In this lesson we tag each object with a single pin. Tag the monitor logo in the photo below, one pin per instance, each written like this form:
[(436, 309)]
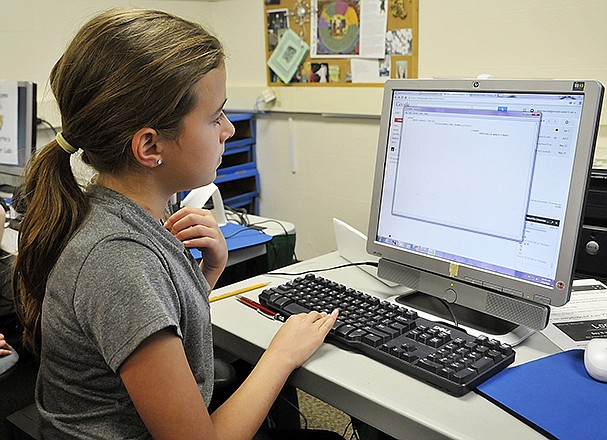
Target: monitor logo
[(578, 86)]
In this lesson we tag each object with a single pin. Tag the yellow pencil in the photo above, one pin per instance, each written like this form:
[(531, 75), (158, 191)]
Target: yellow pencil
[(237, 292)]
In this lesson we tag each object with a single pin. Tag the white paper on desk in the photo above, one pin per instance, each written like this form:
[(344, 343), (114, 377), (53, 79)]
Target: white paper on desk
[(584, 317)]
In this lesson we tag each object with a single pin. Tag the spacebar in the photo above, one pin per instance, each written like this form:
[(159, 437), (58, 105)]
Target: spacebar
[(294, 309)]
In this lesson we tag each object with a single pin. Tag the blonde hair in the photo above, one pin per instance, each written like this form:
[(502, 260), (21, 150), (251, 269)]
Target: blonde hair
[(124, 70)]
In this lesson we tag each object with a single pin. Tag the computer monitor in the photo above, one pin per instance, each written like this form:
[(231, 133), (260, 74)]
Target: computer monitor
[(20, 117), (479, 192)]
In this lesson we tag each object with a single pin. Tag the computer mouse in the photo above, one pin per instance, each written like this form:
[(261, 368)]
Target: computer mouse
[(595, 359)]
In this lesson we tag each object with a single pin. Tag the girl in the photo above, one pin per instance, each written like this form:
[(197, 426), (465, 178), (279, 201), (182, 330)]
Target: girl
[(107, 291)]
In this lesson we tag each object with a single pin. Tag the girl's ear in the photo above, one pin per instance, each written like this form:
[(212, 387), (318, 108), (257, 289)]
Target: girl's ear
[(145, 148)]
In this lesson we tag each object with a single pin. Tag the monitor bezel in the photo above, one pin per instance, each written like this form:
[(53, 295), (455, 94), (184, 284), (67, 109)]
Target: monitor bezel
[(442, 271), (11, 175)]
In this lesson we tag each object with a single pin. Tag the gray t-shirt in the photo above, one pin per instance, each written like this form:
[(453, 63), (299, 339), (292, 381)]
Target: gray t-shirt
[(122, 278)]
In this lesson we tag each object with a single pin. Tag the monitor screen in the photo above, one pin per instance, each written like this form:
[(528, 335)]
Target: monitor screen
[(479, 189), (19, 110)]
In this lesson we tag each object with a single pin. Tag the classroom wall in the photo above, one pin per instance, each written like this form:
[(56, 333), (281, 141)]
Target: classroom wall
[(315, 167), (34, 33), (315, 153)]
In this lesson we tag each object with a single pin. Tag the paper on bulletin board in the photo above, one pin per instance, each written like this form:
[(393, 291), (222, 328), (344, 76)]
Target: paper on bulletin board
[(345, 29), (9, 123), (368, 71)]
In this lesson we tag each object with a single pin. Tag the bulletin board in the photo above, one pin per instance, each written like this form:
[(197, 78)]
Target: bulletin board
[(401, 47)]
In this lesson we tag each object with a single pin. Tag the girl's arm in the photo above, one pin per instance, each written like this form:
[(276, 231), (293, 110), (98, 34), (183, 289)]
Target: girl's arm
[(158, 378)]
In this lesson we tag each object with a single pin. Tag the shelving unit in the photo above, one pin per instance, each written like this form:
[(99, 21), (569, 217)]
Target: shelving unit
[(237, 177)]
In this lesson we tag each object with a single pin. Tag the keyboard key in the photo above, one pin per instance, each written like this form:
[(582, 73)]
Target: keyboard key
[(356, 335), (338, 323), (458, 342), (396, 351), (408, 356), (494, 355), (482, 365), (344, 330), (294, 309), (435, 342), (446, 372), (380, 334), (391, 332), (464, 375), (429, 365), (372, 340), (505, 349), (408, 347)]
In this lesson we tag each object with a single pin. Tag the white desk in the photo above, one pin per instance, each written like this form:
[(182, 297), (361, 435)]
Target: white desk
[(379, 395)]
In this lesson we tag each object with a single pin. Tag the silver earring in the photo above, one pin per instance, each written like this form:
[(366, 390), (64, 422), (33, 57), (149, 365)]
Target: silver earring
[(159, 162)]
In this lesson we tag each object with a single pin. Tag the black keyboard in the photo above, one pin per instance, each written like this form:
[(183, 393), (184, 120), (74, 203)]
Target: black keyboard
[(432, 351)]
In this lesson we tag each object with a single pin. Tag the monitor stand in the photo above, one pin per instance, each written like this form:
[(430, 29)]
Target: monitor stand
[(473, 321)]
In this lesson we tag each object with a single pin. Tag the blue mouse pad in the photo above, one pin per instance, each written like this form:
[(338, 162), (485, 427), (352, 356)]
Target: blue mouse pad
[(554, 395)]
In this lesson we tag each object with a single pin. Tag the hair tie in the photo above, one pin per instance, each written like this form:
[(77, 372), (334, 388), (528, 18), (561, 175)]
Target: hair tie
[(65, 145)]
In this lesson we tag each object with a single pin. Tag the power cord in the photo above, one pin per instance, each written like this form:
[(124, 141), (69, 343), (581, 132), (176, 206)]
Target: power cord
[(363, 263), (301, 414), (240, 213), (40, 121), (354, 434), (450, 310), (290, 243), (240, 216)]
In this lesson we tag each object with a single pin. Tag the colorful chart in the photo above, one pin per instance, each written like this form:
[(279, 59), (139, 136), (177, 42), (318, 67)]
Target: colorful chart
[(338, 27)]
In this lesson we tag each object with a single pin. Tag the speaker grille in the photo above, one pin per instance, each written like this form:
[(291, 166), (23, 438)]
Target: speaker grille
[(398, 274), (522, 312)]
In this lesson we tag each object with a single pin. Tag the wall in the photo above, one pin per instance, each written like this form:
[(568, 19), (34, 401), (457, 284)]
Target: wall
[(334, 157), (34, 33)]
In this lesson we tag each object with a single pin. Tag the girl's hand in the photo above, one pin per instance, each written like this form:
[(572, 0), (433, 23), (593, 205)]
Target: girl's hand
[(197, 228), (300, 336), (5, 349)]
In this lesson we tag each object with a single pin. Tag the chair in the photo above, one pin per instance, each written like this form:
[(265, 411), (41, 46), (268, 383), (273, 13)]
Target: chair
[(17, 381)]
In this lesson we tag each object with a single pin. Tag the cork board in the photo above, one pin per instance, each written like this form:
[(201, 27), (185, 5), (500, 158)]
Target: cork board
[(335, 64)]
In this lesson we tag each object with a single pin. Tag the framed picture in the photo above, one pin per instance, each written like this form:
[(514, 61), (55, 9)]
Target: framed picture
[(288, 55)]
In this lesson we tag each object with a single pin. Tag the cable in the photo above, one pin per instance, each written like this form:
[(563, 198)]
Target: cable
[(236, 233), (354, 434), (346, 429), (287, 235), (243, 219), (256, 105), (450, 310), (305, 420), (40, 121), (240, 213), (363, 263)]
